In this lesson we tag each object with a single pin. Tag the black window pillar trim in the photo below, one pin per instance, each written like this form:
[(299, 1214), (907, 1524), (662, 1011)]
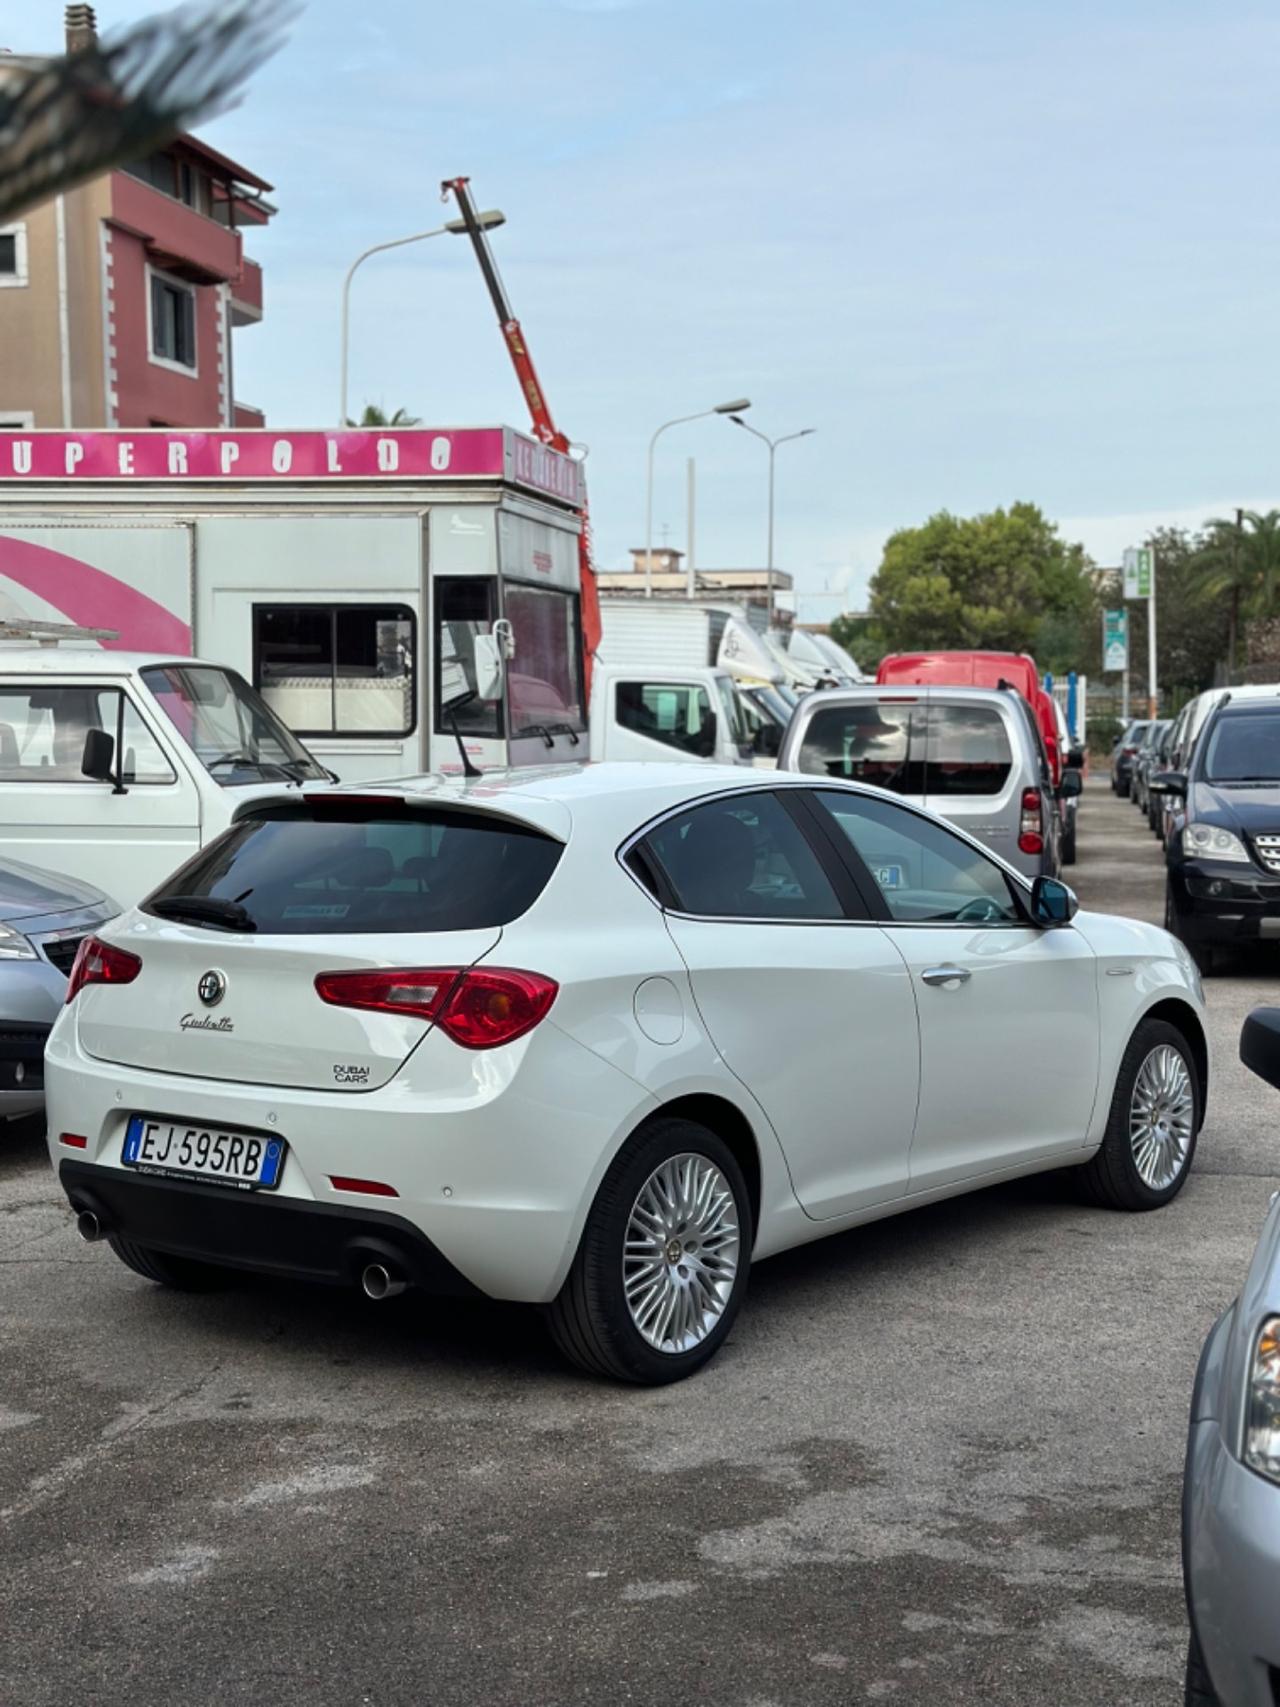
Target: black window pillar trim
[(858, 892)]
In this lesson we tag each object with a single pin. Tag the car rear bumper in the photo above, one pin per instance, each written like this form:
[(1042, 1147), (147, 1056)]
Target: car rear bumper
[(1231, 1544), (1225, 905), (327, 1242), (493, 1159)]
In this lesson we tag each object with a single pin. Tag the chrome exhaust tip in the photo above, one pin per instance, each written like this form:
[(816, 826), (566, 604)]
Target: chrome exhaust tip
[(378, 1282), (89, 1227)]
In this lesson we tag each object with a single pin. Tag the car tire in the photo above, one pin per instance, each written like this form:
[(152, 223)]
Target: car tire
[(1153, 1125), (1069, 839), (1204, 954), (179, 1274), (1199, 1691), (592, 1320)]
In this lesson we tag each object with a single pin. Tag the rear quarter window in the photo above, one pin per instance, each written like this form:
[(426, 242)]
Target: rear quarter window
[(298, 874)]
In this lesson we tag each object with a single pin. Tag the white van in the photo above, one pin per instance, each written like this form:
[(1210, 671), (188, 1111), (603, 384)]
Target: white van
[(115, 767)]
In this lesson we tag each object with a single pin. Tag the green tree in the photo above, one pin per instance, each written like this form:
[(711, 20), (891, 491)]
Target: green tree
[(376, 416), (1005, 580), (1239, 562)]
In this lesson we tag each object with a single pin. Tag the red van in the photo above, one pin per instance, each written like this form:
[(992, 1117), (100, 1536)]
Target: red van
[(982, 670)]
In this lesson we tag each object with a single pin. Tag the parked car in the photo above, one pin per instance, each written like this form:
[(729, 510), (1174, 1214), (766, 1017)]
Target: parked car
[(1231, 1488), (1161, 760), (1223, 854), (43, 920), (1187, 727), (970, 754), (596, 1037), (1142, 760), (1123, 754), (1069, 793)]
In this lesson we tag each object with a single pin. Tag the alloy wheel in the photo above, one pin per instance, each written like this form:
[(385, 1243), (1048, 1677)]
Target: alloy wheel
[(1161, 1117), (680, 1258)]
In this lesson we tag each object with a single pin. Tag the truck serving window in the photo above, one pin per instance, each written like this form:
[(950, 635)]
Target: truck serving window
[(230, 728), (544, 679), (337, 669), (465, 606), (42, 731), (291, 873)]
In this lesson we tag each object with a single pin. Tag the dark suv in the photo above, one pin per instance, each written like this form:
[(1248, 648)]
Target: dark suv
[(1223, 849), (1123, 754)]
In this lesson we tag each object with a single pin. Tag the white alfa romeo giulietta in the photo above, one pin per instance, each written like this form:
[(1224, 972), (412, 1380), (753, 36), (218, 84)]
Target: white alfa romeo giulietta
[(596, 1039)]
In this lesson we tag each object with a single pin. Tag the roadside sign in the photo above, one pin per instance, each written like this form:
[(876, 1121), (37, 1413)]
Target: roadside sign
[(1138, 572), (1115, 640)]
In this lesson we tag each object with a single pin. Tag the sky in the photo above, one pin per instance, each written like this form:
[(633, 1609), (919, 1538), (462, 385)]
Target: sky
[(988, 251)]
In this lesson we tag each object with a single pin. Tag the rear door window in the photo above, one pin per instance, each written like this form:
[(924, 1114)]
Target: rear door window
[(741, 858), (876, 741), (342, 870)]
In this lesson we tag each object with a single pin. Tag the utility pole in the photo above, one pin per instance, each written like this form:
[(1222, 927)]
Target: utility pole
[(691, 586), (1153, 691)]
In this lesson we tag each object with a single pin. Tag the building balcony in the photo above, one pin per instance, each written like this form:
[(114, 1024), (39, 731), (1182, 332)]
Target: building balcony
[(178, 239), (246, 294)]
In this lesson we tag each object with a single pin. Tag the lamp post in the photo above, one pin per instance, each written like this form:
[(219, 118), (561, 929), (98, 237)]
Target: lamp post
[(487, 221), (734, 408), (773, 451)]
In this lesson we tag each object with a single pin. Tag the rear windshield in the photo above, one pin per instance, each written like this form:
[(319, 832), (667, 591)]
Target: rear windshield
[(911, 748), (293, 874)]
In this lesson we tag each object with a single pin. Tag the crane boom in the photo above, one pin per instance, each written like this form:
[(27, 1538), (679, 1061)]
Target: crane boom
[(544, 427)]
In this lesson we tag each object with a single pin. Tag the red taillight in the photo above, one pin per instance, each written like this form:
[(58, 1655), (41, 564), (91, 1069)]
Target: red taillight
[(479, 1008), (74, 1141), (370, 1187), (100, 963), (1031, 824)]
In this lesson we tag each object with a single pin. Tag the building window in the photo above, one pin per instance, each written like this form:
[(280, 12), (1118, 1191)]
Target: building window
[(13, 254), (172, 307), (336, 669)]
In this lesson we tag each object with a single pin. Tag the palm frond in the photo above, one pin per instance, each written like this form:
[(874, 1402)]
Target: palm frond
[(64, 121)]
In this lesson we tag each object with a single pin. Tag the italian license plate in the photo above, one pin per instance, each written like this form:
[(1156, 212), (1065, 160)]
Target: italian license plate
[(248, 1160), (888, 876)]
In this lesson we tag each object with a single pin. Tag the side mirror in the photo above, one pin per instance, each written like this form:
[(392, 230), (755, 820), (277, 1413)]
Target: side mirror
[(1075, 758), (98, 760), (1168, 782), (489, 666), (1052, 903), (704, 742), (1260, 1044), (1071, 785), (768, 741)]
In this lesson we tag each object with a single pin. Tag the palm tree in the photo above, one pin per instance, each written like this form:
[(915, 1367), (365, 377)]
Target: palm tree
[(376, 416), (1241, 558)]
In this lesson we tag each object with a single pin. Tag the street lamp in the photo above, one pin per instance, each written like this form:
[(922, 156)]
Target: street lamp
[(773, 448), (487, 222), (731, 409)]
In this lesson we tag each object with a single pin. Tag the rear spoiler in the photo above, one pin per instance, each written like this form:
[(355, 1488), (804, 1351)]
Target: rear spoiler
[(542, 817)]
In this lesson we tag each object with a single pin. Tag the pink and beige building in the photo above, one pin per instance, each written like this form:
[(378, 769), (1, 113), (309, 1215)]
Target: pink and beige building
[(119, 301)]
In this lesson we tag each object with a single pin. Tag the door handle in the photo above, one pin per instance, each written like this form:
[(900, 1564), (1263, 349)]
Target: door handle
[(941, 976)]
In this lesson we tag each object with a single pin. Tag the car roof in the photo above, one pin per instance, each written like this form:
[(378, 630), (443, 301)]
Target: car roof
[(86, 661), (860, 693)]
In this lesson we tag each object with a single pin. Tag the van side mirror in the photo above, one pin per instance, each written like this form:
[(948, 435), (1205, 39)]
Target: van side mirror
[(1075, 758), (768, 741), (1169, 782), (1260, 1044), (1071, 785), (488, 666), (98, 760), (1052, 903)]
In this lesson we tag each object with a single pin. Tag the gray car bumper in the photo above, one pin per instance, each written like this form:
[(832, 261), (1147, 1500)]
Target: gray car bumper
[(31, 993)]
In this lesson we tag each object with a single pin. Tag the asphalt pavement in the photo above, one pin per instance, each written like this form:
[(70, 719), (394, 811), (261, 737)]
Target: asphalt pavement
[(938, 1461)]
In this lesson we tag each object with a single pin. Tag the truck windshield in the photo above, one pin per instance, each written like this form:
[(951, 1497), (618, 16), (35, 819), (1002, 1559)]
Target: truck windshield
[(229, 726)]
